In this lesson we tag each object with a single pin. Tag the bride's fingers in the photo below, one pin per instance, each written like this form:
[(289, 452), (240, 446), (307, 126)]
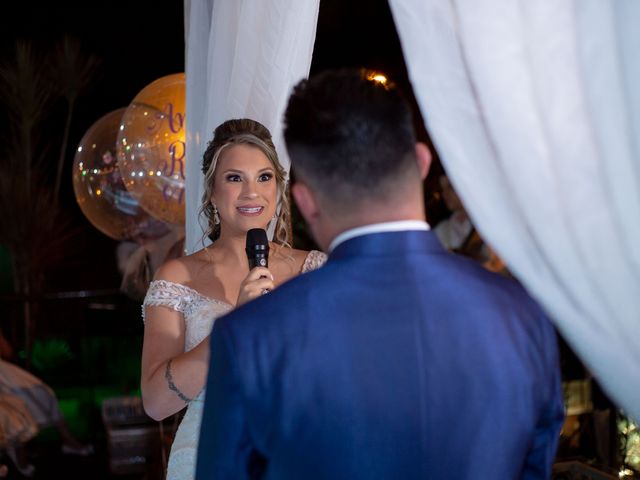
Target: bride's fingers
[(258, 286), (253, 289), (256, 275), (259, 272)]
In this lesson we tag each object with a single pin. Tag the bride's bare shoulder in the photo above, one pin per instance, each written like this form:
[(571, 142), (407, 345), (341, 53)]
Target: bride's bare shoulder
[(299, 255), (183, 269)]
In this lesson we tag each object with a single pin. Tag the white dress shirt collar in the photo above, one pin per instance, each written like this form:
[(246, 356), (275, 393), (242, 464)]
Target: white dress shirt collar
[(398, 226)]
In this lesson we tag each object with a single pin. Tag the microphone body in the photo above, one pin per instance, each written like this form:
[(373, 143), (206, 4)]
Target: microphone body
[(257, 248)]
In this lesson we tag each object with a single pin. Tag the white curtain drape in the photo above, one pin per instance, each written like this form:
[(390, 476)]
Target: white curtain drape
[(534, 107), (243, 58)]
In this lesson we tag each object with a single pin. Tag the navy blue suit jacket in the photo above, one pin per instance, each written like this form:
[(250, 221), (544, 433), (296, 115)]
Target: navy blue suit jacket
[(396, 360)]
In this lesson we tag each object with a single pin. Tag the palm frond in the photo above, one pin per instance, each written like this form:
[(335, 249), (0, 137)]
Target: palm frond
[(24, 87), (72, 70), (34, 227)]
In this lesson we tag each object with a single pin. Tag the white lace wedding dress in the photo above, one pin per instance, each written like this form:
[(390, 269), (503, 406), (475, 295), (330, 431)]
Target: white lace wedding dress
[(199, 314)]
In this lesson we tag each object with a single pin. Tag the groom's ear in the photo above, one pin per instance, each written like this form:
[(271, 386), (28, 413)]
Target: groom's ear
[(423, 158), (306, 201)]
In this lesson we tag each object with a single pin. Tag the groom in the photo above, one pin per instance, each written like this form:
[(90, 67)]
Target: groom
[(396, 360)]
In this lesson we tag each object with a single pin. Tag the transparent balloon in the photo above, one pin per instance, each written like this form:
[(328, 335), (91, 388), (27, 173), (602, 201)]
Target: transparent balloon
[(151, 148), (100, 190)]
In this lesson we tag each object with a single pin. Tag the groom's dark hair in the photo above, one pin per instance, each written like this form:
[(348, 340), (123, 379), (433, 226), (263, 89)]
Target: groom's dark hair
[(349, 135)]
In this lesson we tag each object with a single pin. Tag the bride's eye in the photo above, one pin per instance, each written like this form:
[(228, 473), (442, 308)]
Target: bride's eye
[(233, 178), (265, 177)]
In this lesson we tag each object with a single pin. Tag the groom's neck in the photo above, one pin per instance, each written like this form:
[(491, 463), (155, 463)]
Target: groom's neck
[(330, 225)]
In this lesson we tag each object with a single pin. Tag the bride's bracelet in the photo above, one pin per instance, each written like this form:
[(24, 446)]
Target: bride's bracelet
[(172, 386)]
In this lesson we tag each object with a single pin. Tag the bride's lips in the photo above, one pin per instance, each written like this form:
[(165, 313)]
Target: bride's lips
[(250, 211)]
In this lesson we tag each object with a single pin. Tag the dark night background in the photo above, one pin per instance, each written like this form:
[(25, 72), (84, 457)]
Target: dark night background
[(138, 42), (135, 43)]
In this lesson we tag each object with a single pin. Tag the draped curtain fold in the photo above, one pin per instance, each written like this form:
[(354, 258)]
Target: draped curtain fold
[(243, 58), (534, 109)]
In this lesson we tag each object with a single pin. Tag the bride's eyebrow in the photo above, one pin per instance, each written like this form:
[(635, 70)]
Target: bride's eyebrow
[(241, 172)]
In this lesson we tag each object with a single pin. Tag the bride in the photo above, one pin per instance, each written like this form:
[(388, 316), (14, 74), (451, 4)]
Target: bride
[(244, 189)]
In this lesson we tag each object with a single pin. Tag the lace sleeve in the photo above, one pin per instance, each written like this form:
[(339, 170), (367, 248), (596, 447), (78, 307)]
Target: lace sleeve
[(167, 294), (315, 259)]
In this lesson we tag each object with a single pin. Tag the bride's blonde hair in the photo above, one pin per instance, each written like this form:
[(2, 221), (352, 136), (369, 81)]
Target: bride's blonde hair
[(244, 131)]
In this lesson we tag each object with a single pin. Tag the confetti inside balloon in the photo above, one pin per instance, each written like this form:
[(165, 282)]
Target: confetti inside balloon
[(100, 191), (151, 148)]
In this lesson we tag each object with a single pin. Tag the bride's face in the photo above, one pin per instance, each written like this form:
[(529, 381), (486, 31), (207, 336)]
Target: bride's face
[(245, 189)]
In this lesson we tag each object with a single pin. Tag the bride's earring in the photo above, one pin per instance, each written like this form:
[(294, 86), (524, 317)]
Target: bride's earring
[(216, 217)]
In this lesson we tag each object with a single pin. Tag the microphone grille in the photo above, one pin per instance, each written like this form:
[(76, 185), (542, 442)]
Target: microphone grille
[(257, 236)]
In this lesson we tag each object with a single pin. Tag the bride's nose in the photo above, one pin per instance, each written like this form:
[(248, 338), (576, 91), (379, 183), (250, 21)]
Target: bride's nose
[(249, 190)]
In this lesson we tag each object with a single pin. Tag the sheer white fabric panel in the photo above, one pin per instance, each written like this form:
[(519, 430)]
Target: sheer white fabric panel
[(243, 58), (534, 108)]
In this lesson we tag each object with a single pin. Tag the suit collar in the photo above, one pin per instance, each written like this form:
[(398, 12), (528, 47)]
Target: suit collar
[(395, 226), (386, 243)]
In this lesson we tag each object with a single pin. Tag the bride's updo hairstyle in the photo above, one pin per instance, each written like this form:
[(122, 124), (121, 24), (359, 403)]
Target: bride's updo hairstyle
[(244, 131)]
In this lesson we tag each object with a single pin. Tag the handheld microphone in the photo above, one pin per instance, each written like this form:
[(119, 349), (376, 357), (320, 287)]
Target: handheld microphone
[(257, 248)]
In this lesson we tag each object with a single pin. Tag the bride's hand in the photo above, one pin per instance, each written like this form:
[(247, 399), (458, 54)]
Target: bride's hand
[(258, 282)]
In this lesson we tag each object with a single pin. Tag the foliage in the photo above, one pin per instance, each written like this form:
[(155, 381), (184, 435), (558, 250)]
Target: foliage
[(629, 443), (33, 225), (51, 354), (71, 72)]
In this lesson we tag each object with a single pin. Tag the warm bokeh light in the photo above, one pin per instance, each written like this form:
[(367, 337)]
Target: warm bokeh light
[(99, 187), (378, 77), (152, 139)]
